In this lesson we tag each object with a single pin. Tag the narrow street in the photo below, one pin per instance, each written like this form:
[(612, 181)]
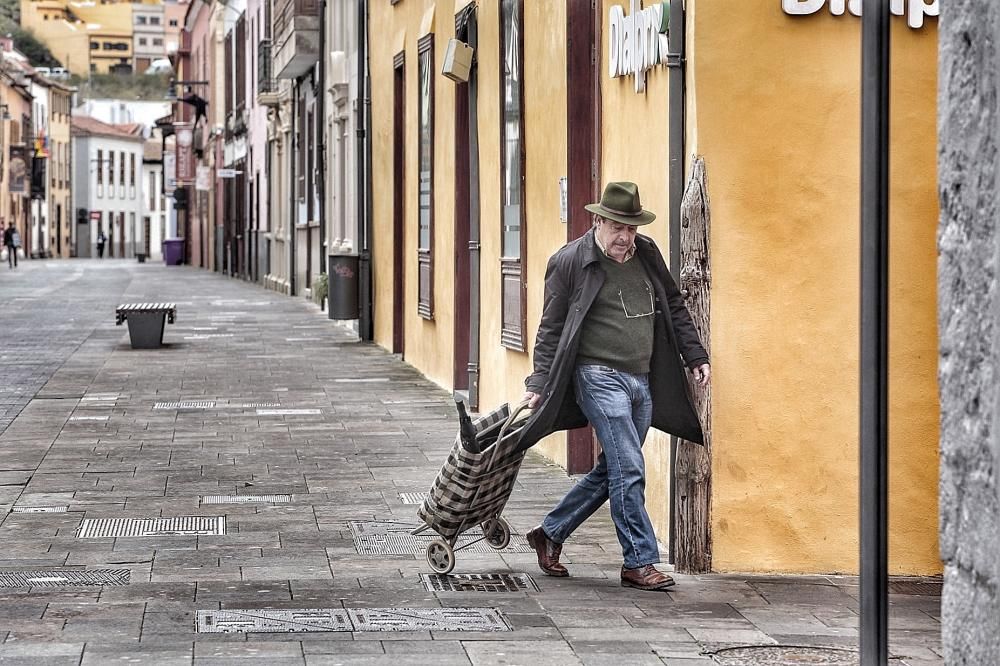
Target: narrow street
[(181, 501)]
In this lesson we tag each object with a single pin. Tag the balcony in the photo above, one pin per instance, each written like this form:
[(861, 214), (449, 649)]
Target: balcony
[(296, 37), (267, 87)]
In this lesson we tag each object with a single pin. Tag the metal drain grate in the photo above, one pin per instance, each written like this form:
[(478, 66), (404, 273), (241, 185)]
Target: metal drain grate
[(287, 412), (244, 499), (428, 619), (39, 509), (479, 583), (64, 578), (273, 621), (915, 587), (186, 404), (784, 655), (378, 538), (254, 405), (95, 528), (412, 498)]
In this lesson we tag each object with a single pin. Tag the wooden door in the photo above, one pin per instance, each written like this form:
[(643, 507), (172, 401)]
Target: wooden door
[(583, 148), (399, 204)]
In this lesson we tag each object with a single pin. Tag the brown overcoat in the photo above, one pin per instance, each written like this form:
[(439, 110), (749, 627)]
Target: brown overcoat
[(573, 278)]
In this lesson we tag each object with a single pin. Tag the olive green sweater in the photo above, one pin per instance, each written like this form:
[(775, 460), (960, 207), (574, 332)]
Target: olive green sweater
[(618, 330)]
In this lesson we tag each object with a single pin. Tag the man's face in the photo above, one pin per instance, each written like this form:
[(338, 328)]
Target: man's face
[(616, 237)]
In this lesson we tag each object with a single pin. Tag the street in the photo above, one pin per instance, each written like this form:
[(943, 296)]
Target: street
[(264, 461)]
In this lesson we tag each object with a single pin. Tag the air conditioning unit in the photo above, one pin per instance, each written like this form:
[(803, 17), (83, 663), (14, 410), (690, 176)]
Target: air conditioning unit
[(338, 76), (457, 61)]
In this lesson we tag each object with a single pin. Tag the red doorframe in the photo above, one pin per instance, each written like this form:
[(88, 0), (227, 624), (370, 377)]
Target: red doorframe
[(399, 203), (462, 259), (583, 157)]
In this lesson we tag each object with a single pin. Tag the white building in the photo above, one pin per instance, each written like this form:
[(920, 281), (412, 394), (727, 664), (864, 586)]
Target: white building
[(39, 242), (149, 36), (107, 170), (121, 111), (156, 212)]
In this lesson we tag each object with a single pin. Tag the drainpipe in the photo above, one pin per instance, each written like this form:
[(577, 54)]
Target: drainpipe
[(321, 137), (293, 213), (366, 329), (675, 62), (474, 222)]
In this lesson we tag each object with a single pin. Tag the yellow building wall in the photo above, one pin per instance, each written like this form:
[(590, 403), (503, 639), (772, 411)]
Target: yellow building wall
[(70, 42), (429, 344), (777, 118)]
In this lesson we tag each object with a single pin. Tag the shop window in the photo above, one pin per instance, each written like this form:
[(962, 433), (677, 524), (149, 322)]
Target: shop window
[(512, 214), (425, 171)]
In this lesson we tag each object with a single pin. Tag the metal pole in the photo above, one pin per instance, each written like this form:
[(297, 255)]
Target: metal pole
[(874, 331), (675, 61)]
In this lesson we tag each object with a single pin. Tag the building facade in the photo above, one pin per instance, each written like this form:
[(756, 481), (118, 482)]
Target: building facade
[(489, 178), (85, 37), (149, 34), (59, 149), (107, 190)]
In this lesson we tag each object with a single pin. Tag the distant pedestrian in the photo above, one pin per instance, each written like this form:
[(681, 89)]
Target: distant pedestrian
[(12, 243), (608, 351), (101, 240)]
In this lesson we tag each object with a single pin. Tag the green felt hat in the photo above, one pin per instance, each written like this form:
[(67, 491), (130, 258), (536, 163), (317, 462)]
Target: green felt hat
[(620, 202)]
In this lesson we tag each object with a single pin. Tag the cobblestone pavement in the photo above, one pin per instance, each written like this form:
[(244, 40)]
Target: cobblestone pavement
[(247, 517)]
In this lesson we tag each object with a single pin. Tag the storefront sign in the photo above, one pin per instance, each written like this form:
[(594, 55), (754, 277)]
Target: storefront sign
[(227, 173), (169, 172), (637, 42), (203, 180), (185, 153), (18, 171), (914, 12)]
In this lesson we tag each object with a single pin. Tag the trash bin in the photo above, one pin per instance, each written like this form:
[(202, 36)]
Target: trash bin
[(141, 256), (343, 286), (173, 252)]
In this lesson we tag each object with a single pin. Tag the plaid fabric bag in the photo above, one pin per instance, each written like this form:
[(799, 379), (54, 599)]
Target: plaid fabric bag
[(474, 487)]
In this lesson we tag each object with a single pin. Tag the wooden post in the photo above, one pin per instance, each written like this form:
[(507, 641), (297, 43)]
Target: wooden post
[(693, 496)]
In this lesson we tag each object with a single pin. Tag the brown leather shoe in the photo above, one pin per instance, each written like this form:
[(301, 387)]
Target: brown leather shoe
[(548, 552), (646, 578)]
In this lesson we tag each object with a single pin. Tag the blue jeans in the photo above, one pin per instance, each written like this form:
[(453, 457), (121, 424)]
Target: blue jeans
[(619, 406)]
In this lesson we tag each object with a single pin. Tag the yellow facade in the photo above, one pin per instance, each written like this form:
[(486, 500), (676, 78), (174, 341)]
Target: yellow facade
[(773, 108), (72, 30), (61, 216)]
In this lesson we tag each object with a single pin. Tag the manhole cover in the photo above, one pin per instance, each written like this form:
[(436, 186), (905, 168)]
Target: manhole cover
[(428, 619), (93, 528), (920, 588), (273, 621), (64, 578), (478, 583), (412, 498), (39, 509), (377, 538), (784, 655), (244, 499), (186, 404), (287, 412)]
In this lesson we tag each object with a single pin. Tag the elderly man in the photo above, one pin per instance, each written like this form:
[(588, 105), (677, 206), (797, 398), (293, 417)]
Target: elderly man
[(607, 353)]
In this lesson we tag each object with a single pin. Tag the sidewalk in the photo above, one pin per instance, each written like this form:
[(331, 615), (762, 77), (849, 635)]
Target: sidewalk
[(263, 412)]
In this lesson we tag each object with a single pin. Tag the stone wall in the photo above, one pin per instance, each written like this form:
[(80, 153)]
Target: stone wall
[(969, 240)]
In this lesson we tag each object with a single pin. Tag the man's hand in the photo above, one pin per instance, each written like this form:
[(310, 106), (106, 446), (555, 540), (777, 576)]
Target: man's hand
[(533, 399), (702, 374)]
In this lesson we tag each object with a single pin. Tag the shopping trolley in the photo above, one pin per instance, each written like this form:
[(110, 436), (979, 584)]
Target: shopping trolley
[(474, 485)]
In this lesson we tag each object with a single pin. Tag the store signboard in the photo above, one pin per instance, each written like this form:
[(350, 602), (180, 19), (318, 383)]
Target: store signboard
[(203, 181), (913, 10), (169, 172), (184, 133)]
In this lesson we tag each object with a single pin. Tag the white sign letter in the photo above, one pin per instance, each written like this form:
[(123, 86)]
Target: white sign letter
[(896, 7), (802, 7), (919, 8), (837, 7), (614, 39)]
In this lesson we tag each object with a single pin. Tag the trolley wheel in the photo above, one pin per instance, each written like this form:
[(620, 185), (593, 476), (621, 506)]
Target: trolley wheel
[(497, 533), (441, 556)]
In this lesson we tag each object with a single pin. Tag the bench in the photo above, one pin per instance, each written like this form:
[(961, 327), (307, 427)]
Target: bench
[(145, 322)]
